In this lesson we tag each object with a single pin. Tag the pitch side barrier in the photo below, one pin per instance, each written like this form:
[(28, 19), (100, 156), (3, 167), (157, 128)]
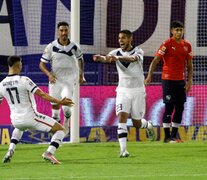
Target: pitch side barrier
[(104, 134)]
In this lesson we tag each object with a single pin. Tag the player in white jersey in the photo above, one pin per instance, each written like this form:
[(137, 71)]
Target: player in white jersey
[(62, 54), (130, 98), (19, 92)]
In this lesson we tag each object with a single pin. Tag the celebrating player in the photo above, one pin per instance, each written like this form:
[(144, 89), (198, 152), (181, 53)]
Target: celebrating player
[(130, 98), (176, 54), (62, 54), (19, 92)]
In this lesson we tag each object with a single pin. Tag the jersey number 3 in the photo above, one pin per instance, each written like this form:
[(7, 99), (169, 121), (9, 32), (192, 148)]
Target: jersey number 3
[(13, 91)]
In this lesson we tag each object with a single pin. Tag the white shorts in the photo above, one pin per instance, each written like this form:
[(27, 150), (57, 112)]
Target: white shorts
[(60, 90), (133, 103), (37, 121)]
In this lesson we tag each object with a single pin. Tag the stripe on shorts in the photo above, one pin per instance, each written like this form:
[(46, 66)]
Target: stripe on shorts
[(43, 122)]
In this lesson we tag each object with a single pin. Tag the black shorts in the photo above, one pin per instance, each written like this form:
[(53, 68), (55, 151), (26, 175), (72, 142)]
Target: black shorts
[(173, 91)]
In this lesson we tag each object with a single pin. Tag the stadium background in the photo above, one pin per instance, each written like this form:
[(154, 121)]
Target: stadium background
[(26, 27)]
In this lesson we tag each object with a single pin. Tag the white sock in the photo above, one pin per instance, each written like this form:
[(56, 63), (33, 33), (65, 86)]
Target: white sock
[(56, 141), (56, 114), (16, 136), (144, 123), (122, 134)]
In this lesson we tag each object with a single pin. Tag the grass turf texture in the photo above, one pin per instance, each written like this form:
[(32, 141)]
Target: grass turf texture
[(100, 161)]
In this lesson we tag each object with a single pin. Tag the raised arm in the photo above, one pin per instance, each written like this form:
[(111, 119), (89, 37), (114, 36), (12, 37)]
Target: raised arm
[(152, 67), (65, 101)]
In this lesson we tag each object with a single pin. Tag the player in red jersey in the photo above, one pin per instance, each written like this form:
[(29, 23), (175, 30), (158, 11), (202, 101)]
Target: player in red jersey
[(176, 54)]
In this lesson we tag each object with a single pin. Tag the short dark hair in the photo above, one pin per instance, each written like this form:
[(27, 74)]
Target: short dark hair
[(13, 59), (176, 24), (127, 32), (62, 23)]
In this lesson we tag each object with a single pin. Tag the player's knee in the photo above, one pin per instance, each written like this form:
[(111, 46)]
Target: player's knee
[(169, 107), (123, 117), (58, 127), (136, 123), (66, 111)]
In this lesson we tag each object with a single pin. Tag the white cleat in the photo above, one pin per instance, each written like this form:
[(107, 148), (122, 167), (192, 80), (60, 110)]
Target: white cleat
[(124, 154), (150, 132), (50, 157), (8, 156)]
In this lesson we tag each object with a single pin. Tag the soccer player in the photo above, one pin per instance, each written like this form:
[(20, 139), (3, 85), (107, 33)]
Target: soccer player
[(19, 92), (62, 54), (130, 98), (176, 54)]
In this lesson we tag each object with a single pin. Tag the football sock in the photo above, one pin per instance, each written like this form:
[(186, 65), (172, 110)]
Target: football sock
[(56, 141), (16, 136), (175, 127), (166, 127), (146, 124), (167, 133), (56, 114), (122, 135)]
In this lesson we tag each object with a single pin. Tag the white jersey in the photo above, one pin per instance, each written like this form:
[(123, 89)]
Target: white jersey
[(63, 59), (131, 76), (18, 91)]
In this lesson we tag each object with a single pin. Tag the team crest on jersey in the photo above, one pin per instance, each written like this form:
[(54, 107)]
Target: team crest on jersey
[(168, 97), (30, 82), (45, 51), (185, 48), (163, 48)]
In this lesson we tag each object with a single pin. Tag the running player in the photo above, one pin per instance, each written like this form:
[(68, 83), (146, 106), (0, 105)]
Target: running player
[(130, 98)]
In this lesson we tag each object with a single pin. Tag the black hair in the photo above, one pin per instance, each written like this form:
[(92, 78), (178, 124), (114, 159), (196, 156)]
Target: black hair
[(62, 23), (13, 59), (176, 24), (127, 32)]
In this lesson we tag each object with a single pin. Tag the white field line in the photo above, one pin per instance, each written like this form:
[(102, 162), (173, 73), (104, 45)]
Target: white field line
[(109, 177)]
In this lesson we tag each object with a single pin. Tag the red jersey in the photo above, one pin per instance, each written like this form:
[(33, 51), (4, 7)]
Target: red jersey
[(174, 56)]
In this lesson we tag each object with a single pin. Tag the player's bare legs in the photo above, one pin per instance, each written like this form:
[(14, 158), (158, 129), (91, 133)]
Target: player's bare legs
[(122, 133)]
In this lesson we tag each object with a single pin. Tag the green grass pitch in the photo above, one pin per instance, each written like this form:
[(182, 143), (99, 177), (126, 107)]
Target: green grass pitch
[(100, 161)]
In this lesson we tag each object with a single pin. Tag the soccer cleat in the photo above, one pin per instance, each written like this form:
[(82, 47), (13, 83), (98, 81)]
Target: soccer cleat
[(50, 157), (150, 132), (8, 156), (167, 140), (172, 140), (124, 154)]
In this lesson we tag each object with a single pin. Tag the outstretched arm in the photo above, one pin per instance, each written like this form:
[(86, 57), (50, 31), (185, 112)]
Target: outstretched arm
[(124, 58), (152, 67), (103, 59), (65, 101)]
